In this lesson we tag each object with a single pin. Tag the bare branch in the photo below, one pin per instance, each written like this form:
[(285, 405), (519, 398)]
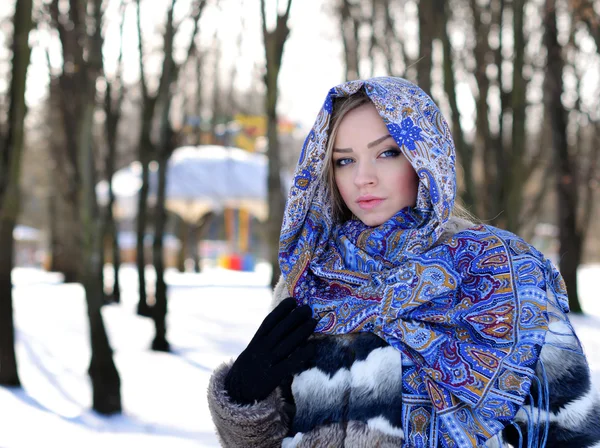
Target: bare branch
[(197, 9), (141, 51), (263, 14), (287, 11), (588, 183)]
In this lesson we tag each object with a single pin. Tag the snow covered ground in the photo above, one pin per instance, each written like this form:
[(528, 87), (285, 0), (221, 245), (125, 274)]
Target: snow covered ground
[(211, 318)]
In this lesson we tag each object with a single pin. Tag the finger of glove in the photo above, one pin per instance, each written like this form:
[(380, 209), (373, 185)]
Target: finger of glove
[(274, 317), (298, 361), (295, 319), (293, 340)]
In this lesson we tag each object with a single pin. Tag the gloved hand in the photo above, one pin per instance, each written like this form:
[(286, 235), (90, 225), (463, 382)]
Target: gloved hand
[(277, 350)]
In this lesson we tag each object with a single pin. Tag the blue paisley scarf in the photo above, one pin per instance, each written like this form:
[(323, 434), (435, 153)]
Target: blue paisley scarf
[(469, 313)]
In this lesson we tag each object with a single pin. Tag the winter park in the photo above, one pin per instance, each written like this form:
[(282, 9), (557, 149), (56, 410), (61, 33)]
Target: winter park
[(422, 177)]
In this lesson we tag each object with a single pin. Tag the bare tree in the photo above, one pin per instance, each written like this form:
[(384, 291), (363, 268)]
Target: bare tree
[(463, 149), (575, 167), (80, 31), (427, 33), (157, 107), (274, 42), (112, 111), (350, 21), (518, 97), (145, 152), (11, 148)]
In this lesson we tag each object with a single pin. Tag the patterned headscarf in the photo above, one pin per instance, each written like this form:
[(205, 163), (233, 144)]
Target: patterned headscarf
[(469, 313)]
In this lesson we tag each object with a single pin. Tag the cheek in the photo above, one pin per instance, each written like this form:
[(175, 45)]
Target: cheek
[(343, 185), (407, 183)]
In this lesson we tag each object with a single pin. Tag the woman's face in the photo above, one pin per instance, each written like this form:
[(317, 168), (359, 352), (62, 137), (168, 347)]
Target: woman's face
[(372, 175)]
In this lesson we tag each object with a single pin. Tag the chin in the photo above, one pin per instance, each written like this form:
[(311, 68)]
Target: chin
[(373, 221)]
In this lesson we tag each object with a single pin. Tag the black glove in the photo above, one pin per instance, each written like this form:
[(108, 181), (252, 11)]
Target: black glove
[(277, 350)]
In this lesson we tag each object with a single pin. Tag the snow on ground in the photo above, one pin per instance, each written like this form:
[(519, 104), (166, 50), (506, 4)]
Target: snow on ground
[(212, 316)]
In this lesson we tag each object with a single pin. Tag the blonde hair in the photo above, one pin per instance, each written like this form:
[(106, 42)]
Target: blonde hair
[(340, 108), (461, 212)]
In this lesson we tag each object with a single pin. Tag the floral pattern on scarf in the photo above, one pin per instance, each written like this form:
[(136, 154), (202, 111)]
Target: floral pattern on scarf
[(469, 313)]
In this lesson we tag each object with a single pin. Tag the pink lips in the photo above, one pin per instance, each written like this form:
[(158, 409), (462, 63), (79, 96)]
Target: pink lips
[(368, 202)]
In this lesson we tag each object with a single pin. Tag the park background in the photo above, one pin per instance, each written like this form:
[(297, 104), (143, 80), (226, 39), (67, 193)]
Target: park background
[(117, 299)]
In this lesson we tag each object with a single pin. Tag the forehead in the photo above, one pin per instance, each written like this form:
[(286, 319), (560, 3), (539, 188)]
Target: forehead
[(362, 123)]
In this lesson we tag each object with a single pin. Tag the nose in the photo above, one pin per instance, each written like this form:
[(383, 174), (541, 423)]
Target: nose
[(365, 174)]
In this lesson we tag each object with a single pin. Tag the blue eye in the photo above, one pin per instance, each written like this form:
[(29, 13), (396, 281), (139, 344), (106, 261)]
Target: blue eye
[(343, 162), (391, 153)]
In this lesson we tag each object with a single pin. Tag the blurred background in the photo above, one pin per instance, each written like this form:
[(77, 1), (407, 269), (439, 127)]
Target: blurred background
[(146, 148)]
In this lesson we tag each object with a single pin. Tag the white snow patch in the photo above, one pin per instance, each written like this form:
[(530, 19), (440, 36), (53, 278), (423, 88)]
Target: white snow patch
[(212, 316)]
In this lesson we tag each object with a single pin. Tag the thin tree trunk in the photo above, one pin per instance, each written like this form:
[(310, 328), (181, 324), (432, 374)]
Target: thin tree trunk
[(426, 33), (193, 245), (566, 188), (515, 179), (159, 310), (106, 383), (78, 95), (143, 309), (216, 93), (116, 256), (144, 149), (463, 149), (349, 26), (168, 77), (113, 117), (182, 235), (199, 97), (10, 173), (198, 232), (497, 188), (165, 147), (483, 142), (274, 42), (8, 362)]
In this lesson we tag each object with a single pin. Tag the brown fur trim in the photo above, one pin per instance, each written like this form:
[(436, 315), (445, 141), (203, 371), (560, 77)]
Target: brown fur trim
[(261, 425)]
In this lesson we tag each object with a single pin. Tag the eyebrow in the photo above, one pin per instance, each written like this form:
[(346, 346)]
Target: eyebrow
[(370, 145)]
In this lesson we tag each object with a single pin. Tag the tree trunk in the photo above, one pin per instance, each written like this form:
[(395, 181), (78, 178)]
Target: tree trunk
[(274, 42), (10, 173), (106, 384), (566, 188), (483, 142), (144, 156), (8, 362), (143, 309), (349, 27), (515, 175), (497, 188), (198, 232), (426, 33), (182, 234), (193, 232), (65, 241), (159, 310), (111, 125), (116, 257), (78, 104), (65, 238), (463, 149), (102, 370)]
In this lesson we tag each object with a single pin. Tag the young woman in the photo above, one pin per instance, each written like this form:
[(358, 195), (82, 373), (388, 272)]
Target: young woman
[(409, 324)]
